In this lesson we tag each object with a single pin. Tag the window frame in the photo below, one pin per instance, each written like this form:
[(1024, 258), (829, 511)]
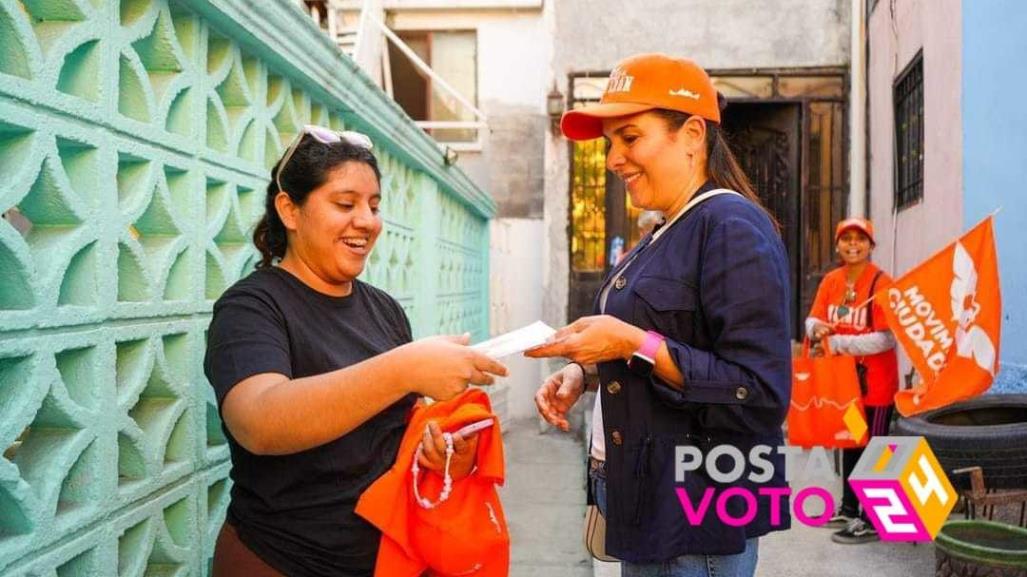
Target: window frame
[(908, 106), (474, 144)]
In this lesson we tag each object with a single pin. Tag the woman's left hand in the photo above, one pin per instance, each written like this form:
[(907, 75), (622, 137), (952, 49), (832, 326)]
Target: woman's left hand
[(433, 452), (591, 340)]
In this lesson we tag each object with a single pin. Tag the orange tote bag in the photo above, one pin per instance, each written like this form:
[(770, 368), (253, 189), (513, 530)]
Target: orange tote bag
[(826, 408)]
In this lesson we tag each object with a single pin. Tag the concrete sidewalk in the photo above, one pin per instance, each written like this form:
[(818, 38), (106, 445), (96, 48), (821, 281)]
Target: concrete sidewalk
[(809, 552), (544, 501)]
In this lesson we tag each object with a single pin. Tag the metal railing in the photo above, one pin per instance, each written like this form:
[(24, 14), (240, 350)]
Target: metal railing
[(359, 41)]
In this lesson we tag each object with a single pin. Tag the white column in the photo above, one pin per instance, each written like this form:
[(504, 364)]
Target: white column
[(857, 111)]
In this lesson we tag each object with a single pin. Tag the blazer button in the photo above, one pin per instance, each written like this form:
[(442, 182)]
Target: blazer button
[(613, 388), (617, 438), (741, 393), (620, 282)]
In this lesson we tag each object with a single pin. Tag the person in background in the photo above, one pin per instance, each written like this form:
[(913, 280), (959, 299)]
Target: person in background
[(648, 220), (845, 313)]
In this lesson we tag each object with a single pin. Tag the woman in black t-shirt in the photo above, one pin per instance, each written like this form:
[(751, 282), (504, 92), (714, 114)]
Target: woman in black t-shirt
[(315, 372)]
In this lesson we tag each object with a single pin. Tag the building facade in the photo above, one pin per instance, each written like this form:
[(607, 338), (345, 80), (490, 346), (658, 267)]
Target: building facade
[(946, 142)]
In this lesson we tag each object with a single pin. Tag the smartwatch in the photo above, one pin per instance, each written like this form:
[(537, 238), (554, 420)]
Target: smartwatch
[(644, 360)]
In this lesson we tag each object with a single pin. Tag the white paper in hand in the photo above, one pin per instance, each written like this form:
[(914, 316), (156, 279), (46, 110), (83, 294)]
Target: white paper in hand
[(517, 341)]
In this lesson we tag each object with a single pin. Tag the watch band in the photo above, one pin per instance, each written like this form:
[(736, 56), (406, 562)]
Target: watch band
[(643, 362), (650, 346)]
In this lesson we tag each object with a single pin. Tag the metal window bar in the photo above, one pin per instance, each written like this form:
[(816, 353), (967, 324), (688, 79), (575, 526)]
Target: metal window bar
[(909, 137), (633, 212), (588, 206)]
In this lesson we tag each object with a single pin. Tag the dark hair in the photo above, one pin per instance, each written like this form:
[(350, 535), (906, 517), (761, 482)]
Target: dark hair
[(721, 165), (307, 169)]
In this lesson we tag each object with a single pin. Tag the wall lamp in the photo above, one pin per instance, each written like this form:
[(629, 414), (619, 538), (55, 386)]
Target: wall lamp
[(449, 156), (555, 106)]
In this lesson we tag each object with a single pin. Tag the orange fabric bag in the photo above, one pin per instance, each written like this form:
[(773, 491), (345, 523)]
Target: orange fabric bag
[(464, 535), (826, 408)]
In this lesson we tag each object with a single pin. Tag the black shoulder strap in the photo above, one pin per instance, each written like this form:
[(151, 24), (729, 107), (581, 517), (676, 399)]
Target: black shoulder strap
[(870, 308)]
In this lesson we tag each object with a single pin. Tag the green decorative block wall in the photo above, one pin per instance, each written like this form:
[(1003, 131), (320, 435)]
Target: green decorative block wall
[(135, 142)]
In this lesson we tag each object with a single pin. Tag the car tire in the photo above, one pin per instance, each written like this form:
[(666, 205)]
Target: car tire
[(989, 432)]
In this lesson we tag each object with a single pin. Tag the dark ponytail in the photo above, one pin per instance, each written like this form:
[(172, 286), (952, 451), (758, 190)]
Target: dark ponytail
[(722, 166), (307, 169), (269, 236)]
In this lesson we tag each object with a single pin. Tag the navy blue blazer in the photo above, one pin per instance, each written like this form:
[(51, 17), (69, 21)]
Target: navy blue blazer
[(716, 286)]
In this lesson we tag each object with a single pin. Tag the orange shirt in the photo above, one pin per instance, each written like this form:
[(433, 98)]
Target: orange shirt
[(882, 368)]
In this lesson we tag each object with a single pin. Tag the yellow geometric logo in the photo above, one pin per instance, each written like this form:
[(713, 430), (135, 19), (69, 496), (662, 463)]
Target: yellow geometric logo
[(903, 489), (855, 422)]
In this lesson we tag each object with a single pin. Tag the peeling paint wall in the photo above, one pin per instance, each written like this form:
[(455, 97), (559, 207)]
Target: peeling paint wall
[(135, 142), (595, 34)]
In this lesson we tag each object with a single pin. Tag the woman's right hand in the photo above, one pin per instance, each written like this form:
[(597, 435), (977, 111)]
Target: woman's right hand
[(559, 393), (442, 367), (821, 330)]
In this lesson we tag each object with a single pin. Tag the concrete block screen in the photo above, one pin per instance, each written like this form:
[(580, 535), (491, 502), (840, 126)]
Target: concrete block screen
[(135, 143)]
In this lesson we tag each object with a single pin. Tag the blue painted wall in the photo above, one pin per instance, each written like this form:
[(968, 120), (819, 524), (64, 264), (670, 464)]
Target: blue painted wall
[(995, 159)]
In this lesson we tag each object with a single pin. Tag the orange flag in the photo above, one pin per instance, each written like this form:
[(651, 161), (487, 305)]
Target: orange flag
[(947, 314)]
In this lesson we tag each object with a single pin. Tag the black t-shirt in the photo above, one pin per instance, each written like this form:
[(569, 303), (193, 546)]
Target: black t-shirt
[(296, 511)]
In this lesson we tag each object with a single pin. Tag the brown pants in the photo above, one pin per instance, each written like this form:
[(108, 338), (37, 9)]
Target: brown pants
[(234, 559)]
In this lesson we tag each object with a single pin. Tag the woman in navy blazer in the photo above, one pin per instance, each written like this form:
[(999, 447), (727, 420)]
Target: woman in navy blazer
[(689, 344)]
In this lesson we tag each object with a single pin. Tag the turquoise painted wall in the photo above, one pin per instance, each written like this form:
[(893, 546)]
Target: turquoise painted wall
[(135, 141), (994, 171)]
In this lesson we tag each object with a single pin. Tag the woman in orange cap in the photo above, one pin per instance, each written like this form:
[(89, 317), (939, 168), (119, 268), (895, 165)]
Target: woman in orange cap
[(689, 344), (854, 324)]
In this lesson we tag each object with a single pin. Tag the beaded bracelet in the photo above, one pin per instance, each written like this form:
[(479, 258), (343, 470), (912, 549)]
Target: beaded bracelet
[(447, 482)]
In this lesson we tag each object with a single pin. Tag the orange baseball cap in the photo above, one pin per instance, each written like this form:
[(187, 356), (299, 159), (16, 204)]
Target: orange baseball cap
[(860, 224), (645, 82)]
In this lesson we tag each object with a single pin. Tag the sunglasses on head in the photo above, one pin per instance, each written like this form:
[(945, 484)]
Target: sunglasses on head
[(324, 136)]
